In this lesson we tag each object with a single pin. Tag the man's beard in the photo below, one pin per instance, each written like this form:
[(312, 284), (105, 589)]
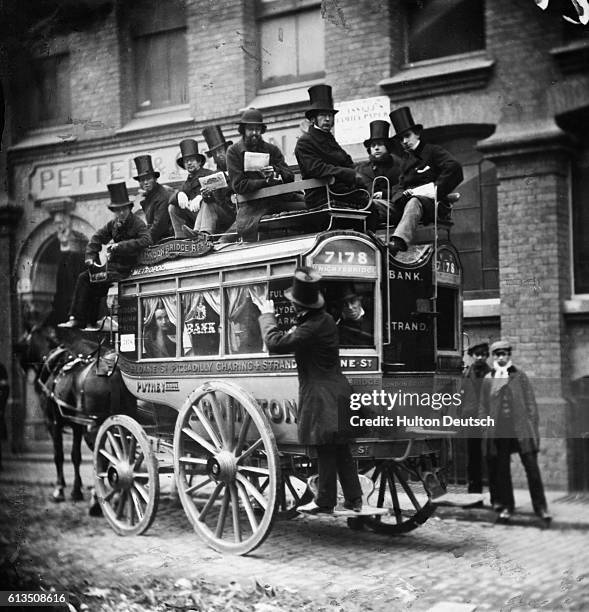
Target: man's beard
[(253, 143)]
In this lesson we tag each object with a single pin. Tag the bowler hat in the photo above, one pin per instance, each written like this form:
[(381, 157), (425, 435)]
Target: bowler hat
[(251, 116), (500, 345), (118, 196), (189, 148), (213, 135), (402, 121), (379, 130), (481, 347), (321, 100), (347, 293), (305, 289), (144, 167)]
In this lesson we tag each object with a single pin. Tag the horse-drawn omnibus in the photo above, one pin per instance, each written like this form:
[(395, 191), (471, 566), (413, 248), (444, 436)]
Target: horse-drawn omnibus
[(221, 412)]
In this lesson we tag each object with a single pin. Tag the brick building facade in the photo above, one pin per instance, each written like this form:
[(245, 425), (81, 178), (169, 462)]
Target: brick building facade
[(502, 84)]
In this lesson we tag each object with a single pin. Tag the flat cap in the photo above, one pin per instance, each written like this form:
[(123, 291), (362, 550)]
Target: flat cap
[(500, 345)]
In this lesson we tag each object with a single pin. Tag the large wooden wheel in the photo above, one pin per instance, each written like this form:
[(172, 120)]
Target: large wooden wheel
[(226, 467), (126, 472), (294, 491), (394, 489)]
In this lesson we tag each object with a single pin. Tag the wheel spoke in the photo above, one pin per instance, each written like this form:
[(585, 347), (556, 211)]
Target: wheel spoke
[(141, 475), (195, 460), (142, 491), (136, 504), (222, 514), (121, 503), (235, 512), (138, 461), (111, 458), (251, 490), (247, 504), (407, 489), (203, 513), (230, 422), (197, 486), (123, 438), (250, 450), (218, 416), (200, 440), (243, 433), (394, 497), (114, 445), (254, 470), (206, 423), (109, 495), (132, 448)]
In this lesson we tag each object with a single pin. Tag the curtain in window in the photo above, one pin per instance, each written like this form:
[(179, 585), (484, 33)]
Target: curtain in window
[(243, 334), (192, 306)]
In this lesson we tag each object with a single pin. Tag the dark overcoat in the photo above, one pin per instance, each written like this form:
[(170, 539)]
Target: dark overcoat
[(131, 238), (222, 207), (191, 187), (472, 383), (519, 396), (428, 163), (320, 156), (324, 392), (155, 207), (389, 167)]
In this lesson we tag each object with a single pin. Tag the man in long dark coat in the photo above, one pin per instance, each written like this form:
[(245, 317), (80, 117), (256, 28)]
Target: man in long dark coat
[(508, 398), (153, 199), (472, 383), (320, 156), (324, 392), (428, 174), (251, 126)]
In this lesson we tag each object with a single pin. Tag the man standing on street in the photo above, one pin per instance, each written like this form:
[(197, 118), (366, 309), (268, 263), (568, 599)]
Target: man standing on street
[(153, 199), (472, 382), (508, 398)]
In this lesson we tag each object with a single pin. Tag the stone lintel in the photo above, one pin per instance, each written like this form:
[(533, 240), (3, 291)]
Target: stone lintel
[(55, 205)]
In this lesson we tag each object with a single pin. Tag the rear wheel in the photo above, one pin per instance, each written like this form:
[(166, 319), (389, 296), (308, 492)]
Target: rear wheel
[(226, 467)]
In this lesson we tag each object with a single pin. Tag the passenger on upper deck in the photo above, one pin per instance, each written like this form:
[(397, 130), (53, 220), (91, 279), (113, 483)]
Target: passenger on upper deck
[(248, 173), (185, 204), (381, 163), (153, 199), (320, 156), (217, 211), (428, 173), (129, 236)]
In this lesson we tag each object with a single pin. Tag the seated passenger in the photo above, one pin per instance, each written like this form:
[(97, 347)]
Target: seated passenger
[(159, 338), (185, 204), (153, 199), (246, 180), (381, 163), (217, 211), (129, 236), (428, 172), (355, 328), (320, 156)]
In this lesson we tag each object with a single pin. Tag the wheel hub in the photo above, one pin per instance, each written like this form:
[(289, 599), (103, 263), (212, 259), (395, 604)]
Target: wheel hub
[(120, 476), (222, 467)]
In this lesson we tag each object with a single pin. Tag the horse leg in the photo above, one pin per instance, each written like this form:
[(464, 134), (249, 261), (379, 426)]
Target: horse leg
[(57, 436), (77, 494)]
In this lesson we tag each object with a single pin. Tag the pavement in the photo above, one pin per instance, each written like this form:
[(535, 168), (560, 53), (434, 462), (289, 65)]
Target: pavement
[(569, 510)]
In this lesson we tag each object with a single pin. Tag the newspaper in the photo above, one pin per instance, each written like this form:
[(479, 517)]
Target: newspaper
[(255, 161), (427, 191), (213, 181)]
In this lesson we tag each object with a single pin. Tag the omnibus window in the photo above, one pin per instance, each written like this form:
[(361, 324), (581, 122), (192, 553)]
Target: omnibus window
[(200, 318), (243, 330), (159, 326), (352, 306)]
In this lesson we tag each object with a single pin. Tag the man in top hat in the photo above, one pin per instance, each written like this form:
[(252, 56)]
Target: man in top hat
[(251, 126), (508, 399), (354, 327), (217, 211), (320, 156), (126, 236), (428, 174), (324, 392), (382, 164), (153, 199), (472, 381), (185, 204)]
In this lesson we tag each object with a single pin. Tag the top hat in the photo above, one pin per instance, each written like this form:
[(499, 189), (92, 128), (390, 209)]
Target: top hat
[(478, 348), (321, 100), (118, 196), (252, 116), (214, 138), (305, 289), (144, 167), (402, 120), (189, 148), (500, 345), (379, 130)]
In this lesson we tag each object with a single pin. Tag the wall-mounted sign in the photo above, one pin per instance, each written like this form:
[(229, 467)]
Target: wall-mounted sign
[(352, 123)]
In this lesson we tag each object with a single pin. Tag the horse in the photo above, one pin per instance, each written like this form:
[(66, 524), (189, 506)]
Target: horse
[(80, 385)]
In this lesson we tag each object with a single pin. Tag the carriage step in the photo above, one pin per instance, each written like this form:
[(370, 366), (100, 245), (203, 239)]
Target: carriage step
[(341, 512)]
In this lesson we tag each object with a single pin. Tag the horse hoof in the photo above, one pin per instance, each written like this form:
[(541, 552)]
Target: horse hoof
[(57, 496), (77, 496), (95, 509)]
